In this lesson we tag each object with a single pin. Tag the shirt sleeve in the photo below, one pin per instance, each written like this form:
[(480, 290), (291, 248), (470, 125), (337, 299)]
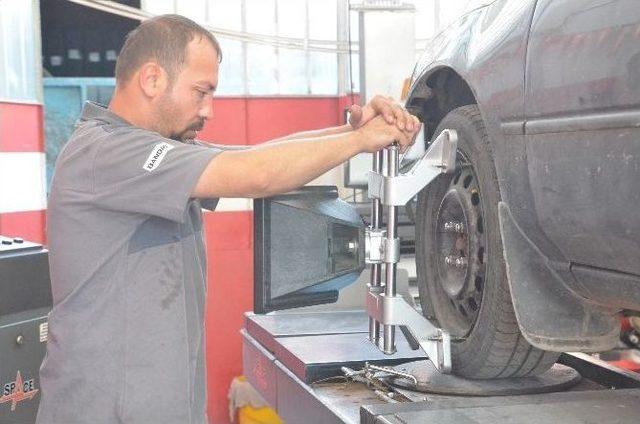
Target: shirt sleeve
[(139, 171), (211, 204)]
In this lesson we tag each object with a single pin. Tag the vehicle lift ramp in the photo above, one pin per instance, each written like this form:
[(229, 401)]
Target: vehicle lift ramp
[(351, 366)]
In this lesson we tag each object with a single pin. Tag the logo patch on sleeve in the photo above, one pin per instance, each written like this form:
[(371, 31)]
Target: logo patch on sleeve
[(157, 154)]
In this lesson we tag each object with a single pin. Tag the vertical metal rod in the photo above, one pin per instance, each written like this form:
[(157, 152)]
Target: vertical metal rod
[(388, 337), (376, 269)]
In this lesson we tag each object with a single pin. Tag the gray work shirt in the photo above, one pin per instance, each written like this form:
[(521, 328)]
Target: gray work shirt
[(128, 274)]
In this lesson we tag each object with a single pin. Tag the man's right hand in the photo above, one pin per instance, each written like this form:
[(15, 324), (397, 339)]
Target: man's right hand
[(378, 134), (388, 108)]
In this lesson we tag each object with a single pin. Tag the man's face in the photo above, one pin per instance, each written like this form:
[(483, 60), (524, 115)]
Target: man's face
[(188, 103)]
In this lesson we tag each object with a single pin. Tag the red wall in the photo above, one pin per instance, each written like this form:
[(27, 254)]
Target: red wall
[(252, 120), (21, 127), (29, 225), (230, 234)]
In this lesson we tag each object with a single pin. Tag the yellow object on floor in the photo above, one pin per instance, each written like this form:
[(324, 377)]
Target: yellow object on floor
[(265, 415), (250, 406)]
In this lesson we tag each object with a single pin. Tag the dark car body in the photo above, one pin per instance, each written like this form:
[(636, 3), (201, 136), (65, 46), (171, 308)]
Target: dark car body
[(558, 86)]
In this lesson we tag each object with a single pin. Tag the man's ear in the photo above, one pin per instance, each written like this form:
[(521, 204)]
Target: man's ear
[(152, 79)]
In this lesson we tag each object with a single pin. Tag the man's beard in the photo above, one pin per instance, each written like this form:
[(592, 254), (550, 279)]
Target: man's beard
[(167, 110), (183, 135)]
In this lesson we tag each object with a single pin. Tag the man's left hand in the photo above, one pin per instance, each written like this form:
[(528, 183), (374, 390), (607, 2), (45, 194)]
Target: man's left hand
[(391, 111)]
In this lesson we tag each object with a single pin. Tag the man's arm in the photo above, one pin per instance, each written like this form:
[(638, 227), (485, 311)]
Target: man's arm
[(275, 168), (341, 129), (387, 107), (221, 146)]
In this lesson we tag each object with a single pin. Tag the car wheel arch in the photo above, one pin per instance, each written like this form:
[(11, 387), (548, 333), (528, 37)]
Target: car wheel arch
[(436, 93)]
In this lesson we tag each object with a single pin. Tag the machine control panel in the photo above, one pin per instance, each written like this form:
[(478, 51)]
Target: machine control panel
[(15, 244), (25, 301)]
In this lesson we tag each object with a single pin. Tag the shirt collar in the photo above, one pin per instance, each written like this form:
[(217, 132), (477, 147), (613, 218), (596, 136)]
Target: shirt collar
[(93, 110), (97, 111)]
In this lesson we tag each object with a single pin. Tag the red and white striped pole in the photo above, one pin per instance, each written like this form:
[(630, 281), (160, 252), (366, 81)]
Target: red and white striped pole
[(22, 158)]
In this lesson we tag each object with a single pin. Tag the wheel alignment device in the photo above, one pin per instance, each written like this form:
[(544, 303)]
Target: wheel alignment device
[(389, 189)]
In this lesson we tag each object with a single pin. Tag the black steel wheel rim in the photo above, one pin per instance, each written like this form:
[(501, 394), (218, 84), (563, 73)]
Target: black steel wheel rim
[(460, 239)]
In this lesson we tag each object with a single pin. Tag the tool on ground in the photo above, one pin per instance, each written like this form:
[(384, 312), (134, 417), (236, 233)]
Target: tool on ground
[(376, 378)]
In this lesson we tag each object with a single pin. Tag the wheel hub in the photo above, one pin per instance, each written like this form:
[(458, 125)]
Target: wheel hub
[(453, 243), (460, 242)]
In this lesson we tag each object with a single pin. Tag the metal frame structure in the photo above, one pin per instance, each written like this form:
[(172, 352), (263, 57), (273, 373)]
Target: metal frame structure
[(389, 189)]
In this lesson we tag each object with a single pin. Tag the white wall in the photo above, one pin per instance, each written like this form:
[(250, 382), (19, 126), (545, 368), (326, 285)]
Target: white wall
[(20, 56), (258, 69)]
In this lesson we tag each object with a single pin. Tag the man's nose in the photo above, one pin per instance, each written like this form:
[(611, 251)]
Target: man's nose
[(206, 111)]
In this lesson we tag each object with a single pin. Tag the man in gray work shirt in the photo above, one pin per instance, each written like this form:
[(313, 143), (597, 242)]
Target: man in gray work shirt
[(127, 256)]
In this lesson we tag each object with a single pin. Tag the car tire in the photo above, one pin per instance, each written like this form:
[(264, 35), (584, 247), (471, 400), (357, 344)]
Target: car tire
[(460, 265)]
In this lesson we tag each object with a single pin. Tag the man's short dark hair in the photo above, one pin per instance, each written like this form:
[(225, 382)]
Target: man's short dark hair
[(164, 39)]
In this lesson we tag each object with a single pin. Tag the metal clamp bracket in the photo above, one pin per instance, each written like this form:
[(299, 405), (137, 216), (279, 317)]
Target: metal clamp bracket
[(379, 248), (390, 189), (398, 190), (394, 310)]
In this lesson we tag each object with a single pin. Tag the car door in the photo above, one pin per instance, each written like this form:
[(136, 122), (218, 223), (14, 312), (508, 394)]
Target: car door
[(582, 111)]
